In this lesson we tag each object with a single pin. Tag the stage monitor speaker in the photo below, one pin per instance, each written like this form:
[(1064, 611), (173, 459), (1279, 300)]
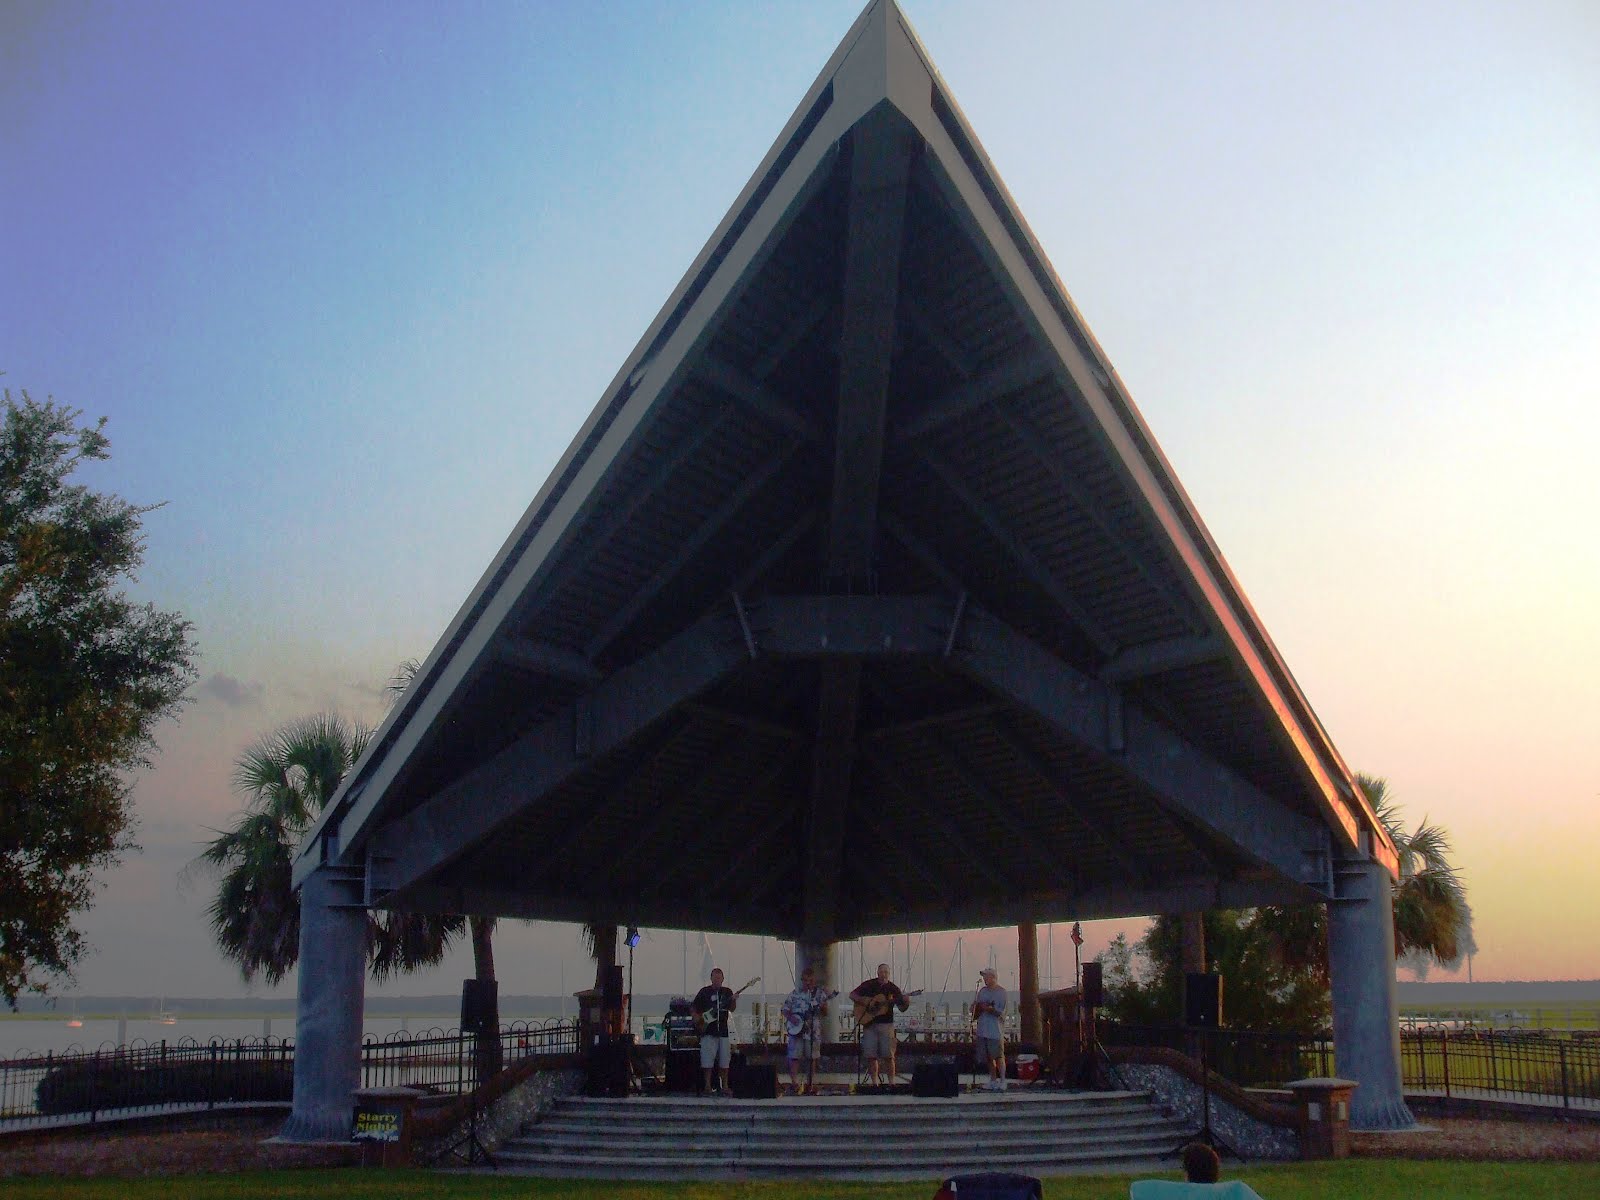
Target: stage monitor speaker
[(754, 1082), (478, 1003), (683, 1072), (611, 990), (1202, 1001), (995, 1185), (608, 1068), (1094, 993), (935, 1079)]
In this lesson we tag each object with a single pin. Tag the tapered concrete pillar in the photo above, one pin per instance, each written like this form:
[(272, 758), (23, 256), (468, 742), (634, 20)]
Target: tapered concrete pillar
[(823, 958), (327, 1027), (1366, 1012)]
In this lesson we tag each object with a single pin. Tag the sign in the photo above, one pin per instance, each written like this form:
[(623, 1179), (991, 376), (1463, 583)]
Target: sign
[(377, 1125)]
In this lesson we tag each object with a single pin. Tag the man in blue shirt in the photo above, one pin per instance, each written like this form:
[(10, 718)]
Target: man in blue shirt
[(988, 1007)]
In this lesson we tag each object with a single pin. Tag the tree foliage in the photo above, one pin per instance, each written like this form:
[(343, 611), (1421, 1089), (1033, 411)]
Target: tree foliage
[(86, 674), (1274, 960)]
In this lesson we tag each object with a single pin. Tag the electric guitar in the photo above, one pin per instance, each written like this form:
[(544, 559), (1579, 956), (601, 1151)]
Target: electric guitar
[(794, 1023), (711, 1017), (873, 1007)]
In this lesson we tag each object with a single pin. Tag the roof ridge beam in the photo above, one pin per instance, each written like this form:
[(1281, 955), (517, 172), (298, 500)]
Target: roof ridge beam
[(882, 147)]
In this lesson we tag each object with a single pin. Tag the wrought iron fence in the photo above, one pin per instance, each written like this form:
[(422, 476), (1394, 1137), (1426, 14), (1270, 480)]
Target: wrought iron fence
[(84, 1087), (1507, 1064)]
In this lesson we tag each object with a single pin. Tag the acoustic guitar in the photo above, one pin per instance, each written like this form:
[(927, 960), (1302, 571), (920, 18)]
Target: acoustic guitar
[(873, 1007), (712, 1015)]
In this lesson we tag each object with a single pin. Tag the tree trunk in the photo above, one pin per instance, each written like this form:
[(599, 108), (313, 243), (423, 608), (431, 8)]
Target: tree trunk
[(605, 953), (489, 1056), (1192, 952), (1028, 981)]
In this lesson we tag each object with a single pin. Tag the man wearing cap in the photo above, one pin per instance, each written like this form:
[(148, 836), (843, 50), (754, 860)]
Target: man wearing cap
[(988, 1007)]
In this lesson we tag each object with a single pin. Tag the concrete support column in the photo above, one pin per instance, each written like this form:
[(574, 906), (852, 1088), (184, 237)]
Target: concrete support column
[(1366, 1012), (327, 1028), (823, 958)]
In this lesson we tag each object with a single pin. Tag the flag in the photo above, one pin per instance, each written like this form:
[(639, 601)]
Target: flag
[(1077, 934)]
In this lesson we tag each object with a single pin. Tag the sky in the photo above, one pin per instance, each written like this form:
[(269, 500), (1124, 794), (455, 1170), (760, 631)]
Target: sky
[(346, 280)]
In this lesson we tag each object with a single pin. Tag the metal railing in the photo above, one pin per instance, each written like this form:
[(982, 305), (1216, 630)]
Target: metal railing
[(1528, 1065), (1506, 1064), (150, 1078)]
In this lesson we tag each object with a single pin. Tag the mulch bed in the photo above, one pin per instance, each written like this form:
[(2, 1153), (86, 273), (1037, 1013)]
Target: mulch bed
[(227, 1144), (1486, 1141)]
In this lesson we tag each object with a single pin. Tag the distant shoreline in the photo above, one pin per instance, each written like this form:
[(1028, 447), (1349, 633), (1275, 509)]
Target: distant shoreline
[(1548, 993)]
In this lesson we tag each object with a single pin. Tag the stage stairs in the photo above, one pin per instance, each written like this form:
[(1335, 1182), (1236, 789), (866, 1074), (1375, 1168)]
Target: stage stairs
[(1033, 1131)]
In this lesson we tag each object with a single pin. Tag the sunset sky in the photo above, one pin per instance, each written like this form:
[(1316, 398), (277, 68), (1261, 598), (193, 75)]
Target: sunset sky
[(347, 279)]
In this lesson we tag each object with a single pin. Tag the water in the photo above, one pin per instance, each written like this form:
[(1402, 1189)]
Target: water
[(37, 1035)]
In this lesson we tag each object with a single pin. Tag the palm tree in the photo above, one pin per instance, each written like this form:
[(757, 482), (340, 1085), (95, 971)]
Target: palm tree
[(286, 779), (1432, 921)]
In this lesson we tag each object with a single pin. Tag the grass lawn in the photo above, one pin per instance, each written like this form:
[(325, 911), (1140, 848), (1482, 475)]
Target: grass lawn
[(1368, 1179)]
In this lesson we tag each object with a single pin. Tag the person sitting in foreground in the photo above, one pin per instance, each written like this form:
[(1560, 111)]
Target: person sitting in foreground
[(1201, 1164), (1202, 1169)]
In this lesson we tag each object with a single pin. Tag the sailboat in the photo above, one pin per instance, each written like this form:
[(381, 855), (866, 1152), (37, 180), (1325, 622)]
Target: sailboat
[(163, 1016), (74, 1021)]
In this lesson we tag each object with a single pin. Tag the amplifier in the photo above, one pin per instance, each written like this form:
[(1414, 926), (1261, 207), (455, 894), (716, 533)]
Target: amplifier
[(935, 1079), (754, 1083)]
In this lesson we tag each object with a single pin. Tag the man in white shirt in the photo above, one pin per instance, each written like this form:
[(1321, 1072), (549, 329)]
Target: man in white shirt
[(988, 1007)]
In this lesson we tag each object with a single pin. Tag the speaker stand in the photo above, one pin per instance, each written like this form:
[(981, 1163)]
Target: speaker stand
[(468, 1148), (1207, 1135)]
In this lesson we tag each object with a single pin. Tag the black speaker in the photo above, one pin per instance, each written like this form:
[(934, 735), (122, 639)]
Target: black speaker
[(611, 989), (995, 1185), (1094, 994), (1202, 1001), (608, 1068), (754, 1082), (935, 1079), (478, 1003), (683, 1072)]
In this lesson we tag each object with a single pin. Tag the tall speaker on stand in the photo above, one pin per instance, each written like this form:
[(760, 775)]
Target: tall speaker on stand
[(1097, 1072)]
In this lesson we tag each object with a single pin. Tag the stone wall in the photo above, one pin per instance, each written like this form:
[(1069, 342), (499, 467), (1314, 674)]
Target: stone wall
[(505, 1115), (1250, 1136)]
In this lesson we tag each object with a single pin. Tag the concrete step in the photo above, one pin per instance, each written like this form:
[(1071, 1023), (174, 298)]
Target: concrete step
[(834, 1133), (855, 1137)]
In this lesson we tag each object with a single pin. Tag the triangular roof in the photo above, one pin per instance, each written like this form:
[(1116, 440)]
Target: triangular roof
[(863, 601)]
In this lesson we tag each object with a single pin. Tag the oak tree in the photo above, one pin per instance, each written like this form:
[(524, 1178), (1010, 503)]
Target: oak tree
[(86, 674)]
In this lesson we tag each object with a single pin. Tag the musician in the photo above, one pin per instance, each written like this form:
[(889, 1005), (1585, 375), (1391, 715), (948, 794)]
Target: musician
[(880, 996), (988, 1007), (713, 1003), (802, 1018)]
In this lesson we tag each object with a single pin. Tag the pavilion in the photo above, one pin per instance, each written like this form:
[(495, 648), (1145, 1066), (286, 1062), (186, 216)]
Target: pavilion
[(863, 602)]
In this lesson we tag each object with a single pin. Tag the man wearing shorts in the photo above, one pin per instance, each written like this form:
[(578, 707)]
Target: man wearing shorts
[(988, 1007), (879, 997), (802, 1019), (713, 1003)]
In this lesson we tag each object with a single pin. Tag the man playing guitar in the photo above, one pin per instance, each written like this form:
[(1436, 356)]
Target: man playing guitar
[(711, 1006), (802, 1020), (875, 1001)]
